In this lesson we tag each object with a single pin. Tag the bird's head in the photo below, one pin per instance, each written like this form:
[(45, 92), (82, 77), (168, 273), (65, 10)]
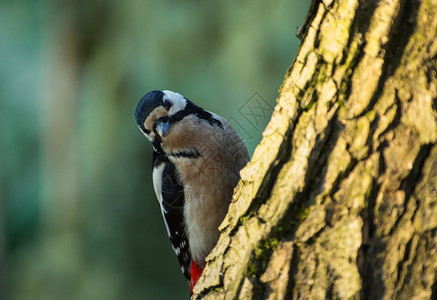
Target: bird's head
[(154, 113)]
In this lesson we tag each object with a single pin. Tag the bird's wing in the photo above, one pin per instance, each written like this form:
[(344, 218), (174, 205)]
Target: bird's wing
[(170, 195)]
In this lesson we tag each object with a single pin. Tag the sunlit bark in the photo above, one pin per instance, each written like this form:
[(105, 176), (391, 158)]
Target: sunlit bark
[(340, 197)]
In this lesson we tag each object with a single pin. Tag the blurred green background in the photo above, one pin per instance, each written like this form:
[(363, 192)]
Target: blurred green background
[(78, 217)]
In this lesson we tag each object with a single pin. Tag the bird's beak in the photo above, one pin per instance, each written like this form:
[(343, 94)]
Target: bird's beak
[(162, 128)]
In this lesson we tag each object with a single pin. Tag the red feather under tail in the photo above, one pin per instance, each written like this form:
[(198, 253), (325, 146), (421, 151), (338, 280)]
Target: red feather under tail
[(196, 271)]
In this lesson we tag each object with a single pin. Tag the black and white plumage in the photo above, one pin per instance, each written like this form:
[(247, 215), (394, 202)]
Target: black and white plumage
[(197, 157), (170, 195)]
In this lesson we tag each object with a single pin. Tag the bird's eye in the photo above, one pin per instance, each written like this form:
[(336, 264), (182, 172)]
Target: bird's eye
[(167, 104)]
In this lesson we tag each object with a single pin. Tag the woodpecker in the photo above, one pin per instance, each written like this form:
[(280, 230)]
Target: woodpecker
[(197, 157)]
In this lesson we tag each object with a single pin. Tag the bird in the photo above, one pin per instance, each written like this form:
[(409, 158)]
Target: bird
[(197, 158)]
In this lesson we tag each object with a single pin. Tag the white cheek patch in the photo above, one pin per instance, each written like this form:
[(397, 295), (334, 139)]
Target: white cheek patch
[(179, 102)]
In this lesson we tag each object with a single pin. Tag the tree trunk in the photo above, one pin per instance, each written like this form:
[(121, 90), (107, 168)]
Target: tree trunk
[(340, 197)]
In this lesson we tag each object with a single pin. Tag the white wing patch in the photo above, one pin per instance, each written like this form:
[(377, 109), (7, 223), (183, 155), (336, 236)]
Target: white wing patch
[(157, 185)]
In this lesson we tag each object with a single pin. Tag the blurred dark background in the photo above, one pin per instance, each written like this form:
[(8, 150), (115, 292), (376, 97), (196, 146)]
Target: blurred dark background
[(78, 216)]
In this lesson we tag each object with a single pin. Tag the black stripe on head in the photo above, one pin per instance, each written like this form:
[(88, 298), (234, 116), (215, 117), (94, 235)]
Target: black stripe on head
[(147, 104), (193, 109)]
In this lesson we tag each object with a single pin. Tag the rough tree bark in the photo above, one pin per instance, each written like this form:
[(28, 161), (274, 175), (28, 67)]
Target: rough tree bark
[(340, 197)]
